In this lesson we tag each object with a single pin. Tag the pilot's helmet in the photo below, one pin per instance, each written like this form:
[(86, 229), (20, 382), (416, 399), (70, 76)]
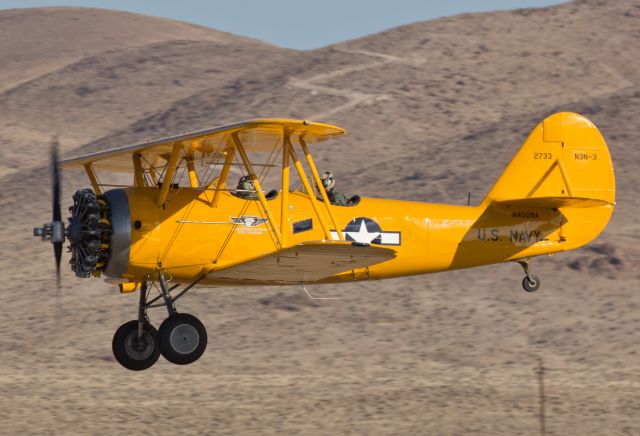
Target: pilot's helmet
[(246, 182), (327, 180)]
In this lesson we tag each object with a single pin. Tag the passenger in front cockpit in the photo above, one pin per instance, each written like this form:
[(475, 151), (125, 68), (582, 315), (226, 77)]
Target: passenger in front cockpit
[(246, 189)]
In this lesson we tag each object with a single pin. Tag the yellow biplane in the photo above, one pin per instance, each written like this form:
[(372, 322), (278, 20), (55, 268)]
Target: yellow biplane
[(182, 221)]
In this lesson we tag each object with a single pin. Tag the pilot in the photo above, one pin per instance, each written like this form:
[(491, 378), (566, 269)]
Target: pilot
[(246, 188), (335, 197)]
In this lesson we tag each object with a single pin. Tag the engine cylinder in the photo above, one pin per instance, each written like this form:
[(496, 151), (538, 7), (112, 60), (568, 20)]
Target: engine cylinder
[(99, 233)]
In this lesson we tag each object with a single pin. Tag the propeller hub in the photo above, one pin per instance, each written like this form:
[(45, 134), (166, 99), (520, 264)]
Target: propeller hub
[(53, 231)]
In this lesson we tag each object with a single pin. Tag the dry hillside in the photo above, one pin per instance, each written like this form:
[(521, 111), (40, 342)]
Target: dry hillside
[(84, 73), (434, 110)]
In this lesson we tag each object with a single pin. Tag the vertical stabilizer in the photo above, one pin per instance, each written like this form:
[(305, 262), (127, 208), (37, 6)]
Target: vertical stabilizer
[(563, 165)]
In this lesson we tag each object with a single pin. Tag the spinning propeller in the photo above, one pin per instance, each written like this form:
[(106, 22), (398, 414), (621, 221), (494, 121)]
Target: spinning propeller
[(55, 230)]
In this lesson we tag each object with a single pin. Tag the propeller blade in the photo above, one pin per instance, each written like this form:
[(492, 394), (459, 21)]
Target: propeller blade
[(57, 214), (57, 250), (55, 176)]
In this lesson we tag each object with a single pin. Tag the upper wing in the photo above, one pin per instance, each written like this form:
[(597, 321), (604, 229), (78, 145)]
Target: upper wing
[(262, 134), (306, 262)]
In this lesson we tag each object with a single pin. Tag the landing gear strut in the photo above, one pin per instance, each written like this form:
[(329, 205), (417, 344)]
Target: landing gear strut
[(182, 338), (530, 282), (135, 344)]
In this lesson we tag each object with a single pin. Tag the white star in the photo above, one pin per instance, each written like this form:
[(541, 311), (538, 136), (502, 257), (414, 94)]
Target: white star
[(362, 235)]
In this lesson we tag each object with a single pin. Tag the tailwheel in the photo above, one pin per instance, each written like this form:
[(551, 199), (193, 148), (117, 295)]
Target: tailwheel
[(183, 338), (136, 352), (531, 283)]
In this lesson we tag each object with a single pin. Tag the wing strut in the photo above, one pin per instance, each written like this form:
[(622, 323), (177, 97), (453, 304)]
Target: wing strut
[(223, 175), (138, 174), (284, 208), (193, 176), (309, 189), (92, 178), (256, 183), (172, 163), (316, 178)]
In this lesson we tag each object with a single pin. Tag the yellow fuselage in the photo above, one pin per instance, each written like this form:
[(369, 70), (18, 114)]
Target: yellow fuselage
[(191, 238)]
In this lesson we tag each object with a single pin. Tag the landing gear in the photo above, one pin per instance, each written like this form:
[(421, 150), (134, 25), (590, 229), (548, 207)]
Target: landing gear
[(182, 338), (136, 352), (530, 282)]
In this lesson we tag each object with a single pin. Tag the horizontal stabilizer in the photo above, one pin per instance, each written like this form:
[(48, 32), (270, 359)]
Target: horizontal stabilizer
[(553, 202), (304, 263)]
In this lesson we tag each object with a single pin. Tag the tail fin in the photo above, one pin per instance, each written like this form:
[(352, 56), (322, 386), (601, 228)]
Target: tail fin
[(564, 164), (564, 156)]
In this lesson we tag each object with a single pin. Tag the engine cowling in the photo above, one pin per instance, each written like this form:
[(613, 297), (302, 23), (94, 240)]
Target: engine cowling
[(99, 233)]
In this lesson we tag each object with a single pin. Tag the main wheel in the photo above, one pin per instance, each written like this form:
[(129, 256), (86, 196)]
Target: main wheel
[(183, 338), (136, 353), (531, 285)]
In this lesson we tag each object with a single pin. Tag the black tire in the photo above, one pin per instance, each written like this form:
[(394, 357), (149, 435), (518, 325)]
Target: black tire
[(183, 338), (531, 285), (132, 356)]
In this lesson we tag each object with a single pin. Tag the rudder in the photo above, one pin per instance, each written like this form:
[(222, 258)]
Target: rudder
[(564, 164)]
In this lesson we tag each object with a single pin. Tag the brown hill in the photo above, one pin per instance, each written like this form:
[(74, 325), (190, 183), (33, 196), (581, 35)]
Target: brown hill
[(119, 64), (40, 40), (435, 110)]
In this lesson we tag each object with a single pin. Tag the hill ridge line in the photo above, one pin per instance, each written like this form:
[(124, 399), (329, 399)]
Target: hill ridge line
[(209, 33)]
